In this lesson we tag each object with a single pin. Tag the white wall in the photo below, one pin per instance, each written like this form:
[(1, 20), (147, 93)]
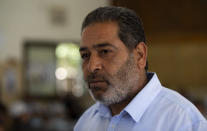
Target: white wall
[(30, 19)]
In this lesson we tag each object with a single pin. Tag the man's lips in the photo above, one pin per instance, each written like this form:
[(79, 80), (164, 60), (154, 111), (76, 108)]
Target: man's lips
[(97, 83)]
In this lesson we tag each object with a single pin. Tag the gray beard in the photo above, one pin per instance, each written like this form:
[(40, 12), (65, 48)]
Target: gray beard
[(124, 83)]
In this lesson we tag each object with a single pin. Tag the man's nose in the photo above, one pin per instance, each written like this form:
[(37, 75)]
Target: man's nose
[(94, 64)]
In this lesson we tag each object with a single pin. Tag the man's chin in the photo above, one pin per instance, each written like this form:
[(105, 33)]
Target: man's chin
[(106, 100)]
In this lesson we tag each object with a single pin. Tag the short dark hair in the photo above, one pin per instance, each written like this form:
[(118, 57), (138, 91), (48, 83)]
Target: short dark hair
[(131, 31)]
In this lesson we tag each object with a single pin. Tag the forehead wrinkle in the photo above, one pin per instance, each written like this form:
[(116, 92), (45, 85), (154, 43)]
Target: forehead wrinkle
[(94, 38)]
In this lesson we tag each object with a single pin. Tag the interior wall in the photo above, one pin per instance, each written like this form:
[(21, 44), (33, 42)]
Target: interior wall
[(24, 20), (169, 15), (31, 19), (180, 65)]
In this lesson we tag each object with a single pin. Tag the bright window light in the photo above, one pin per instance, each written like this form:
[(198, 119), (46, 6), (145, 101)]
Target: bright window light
[(61, 73)]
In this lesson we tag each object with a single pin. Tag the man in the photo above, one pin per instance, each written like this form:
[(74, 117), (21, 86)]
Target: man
[(128, 98)]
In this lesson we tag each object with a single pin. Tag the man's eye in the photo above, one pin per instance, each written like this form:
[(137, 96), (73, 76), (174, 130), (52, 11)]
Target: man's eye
[(105, 51), (84, 56)]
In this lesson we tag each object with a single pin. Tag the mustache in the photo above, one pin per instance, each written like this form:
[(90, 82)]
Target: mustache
[(93, 77)]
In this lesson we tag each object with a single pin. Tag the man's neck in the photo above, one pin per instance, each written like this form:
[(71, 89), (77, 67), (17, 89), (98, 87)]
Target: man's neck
[(118, 107)]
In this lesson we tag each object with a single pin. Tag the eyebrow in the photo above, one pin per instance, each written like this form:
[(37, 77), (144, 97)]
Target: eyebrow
[(83, 49), (97, 46)]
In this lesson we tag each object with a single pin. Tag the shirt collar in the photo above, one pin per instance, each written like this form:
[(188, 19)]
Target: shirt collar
[(142, 100)]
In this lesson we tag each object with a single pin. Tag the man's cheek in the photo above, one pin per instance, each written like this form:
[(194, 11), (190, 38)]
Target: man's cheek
[(85, 74)]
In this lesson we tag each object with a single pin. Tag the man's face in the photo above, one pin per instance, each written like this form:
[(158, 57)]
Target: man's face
[(108, 66)]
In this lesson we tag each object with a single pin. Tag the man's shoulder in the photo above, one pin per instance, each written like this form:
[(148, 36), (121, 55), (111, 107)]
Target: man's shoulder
[(178, 104), (179, 112), (176, 99)]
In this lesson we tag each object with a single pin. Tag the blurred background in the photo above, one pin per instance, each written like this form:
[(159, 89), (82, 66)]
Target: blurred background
[(41, 86)]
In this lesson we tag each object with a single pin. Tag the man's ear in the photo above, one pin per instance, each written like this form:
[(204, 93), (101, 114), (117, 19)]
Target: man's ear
[(140, 55)]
